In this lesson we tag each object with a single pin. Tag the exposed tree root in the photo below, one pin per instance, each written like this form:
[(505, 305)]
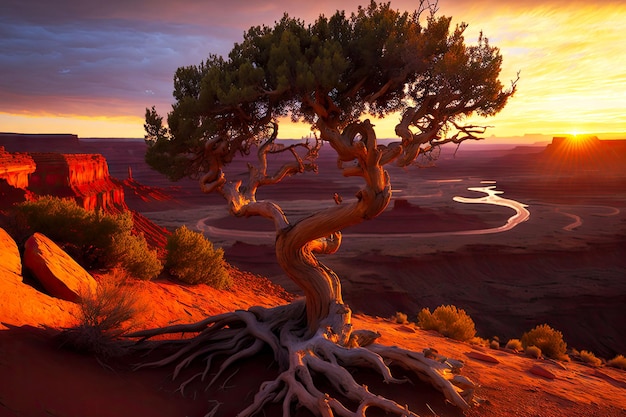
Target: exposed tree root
[(302, 360)]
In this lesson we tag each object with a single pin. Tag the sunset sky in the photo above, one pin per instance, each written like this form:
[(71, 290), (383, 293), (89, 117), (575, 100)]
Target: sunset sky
[(92, 67)]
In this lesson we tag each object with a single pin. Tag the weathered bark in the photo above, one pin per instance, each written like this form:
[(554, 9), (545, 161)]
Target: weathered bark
[(321, 232)]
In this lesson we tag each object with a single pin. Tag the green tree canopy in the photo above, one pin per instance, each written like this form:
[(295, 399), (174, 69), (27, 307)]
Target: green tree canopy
[(329, 74)]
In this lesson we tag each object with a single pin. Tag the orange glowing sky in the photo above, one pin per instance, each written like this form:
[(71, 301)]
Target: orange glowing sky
[(92, 67)]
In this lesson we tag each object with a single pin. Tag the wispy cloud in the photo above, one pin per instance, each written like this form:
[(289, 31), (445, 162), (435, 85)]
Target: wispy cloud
[(114, 58)]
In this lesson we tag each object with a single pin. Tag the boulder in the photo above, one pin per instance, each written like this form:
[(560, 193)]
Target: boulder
[(10, 262), (59, 274), (541, 371), (482, 357)]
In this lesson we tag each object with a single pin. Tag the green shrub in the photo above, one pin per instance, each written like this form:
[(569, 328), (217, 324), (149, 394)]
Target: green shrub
[(515, 345), (59, 219), (547, 339), (449, 321), (590, 358), (532, 352), (192, 259), (135, 256), (618, 362), (93, 238)]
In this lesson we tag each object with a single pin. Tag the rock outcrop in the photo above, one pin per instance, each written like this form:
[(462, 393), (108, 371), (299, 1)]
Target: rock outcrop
[(15, 169), (59, 274), (585, 152), (84, 177), (10, 262)]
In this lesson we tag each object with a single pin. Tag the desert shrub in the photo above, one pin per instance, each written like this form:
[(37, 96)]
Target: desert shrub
[(85, 235), (104, 315), (479, 341), (449, 321), (532, 352), (515, 345), (494, 344), (618, 362), (590, 358), (192, 259), (547, 339), (400, 318), (93, 238), (135, 256), (59, 219)]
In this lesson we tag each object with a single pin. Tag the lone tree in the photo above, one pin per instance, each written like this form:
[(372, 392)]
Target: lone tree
[(332, 75)]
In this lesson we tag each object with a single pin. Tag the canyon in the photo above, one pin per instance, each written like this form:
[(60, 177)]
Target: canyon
[(563, 266)]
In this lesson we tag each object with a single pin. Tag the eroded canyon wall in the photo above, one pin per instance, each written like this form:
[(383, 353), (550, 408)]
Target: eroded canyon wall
[(82, 177)]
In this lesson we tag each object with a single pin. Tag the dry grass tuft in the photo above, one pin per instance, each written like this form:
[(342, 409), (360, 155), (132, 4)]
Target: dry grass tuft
[(590, 358), (549, 340), (618, 362), (515, 345), (532, 352), (400, 318), (105, 315)]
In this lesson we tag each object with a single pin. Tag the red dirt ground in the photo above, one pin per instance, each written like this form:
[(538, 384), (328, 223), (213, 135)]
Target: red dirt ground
[(40, 379)]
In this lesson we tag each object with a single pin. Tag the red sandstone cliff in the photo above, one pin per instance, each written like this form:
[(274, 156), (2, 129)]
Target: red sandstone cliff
[(15, 169), (82, 177)]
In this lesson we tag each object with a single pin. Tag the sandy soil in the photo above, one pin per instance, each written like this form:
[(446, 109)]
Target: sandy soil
[(40, 379)]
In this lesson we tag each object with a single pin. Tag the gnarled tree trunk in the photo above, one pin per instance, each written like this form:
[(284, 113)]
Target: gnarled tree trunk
[(320, 233), (315, 336)]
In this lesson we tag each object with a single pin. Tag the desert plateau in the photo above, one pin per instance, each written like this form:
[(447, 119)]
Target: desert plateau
[(547, 248)]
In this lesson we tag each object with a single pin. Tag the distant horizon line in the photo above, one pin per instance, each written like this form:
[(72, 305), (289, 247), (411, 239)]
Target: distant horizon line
[(509, 139)]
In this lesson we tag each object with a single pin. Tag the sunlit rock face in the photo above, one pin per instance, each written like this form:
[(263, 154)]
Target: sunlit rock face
[(15, 168), (10, 262), (59, 274), (84, 177)]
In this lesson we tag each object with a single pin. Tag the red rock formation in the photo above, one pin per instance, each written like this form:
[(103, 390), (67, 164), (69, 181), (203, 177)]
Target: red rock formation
[(10, 262), (59, 274), (19, 302), (576, 153), (15, 168), (156, 236), (33, 142), (84, 177), (14, 171)]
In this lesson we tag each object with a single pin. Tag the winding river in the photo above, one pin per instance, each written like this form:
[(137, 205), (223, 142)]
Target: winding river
[(492, 197)]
